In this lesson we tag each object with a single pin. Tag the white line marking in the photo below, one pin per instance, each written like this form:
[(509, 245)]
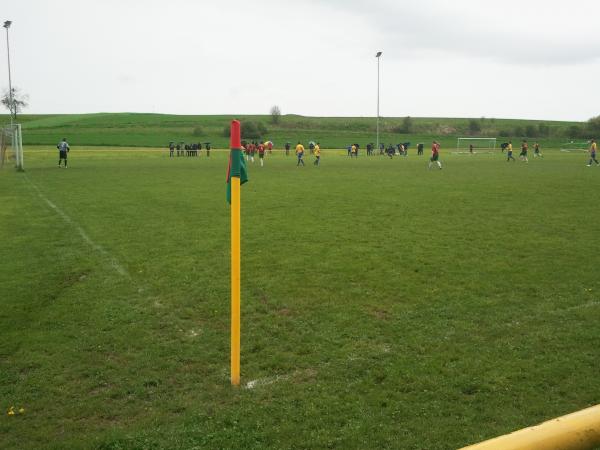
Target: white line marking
[(113, 261), (265, 381)]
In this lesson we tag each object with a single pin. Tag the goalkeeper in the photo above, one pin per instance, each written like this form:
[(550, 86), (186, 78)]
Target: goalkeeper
[(63, 149)]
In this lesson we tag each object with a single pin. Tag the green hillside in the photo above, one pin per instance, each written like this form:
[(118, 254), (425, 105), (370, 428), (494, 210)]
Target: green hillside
[(156, 130)]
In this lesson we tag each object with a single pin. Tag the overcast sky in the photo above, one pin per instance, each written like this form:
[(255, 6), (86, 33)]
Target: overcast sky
[(536, 59)]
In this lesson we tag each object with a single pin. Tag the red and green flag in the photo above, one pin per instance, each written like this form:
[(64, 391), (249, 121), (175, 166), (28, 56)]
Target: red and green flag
[(237, 163)]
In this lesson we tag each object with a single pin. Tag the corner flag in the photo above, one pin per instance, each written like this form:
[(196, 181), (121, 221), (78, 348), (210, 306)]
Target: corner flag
[(236, 176), (237, 163)]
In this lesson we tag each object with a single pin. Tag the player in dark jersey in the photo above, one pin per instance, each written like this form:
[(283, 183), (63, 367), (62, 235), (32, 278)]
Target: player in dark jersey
[(593, 148), (523, 154), (63, 149)]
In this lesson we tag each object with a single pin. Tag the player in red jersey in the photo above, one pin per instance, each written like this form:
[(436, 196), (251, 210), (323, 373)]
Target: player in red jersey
[(252, 150), (435, 155), (261, 154)]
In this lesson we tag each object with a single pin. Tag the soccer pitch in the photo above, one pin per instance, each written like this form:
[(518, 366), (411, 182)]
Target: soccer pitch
[(384, 305)]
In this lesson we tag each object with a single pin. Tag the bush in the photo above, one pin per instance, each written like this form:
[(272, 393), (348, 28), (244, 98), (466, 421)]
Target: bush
[(262, 129), (518, 131), (406, 126), (575, 131), (543, 130), (504, 133), (531, 131), (250, 130), (198, 131), (474, 126)]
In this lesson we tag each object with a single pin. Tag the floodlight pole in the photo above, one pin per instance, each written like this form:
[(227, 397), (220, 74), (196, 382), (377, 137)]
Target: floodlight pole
[(378, 56), (6, 25)]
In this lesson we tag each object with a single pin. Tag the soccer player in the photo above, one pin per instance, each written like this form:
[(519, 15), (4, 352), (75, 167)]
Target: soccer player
[(420, 149), (300, 153), (523, 154), (171, 149), (435, 155), (593, 148), (287, 149), (317, 153), (471, 149), (207, 148), (509, 152), (270, 147), (63, 149), (536, 151), (391, 151), (261, 154), (252, 150), (352, 150)]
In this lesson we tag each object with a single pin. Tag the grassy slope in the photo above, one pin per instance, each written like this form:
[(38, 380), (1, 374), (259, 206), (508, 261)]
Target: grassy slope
[(400, 308), (156, 130)]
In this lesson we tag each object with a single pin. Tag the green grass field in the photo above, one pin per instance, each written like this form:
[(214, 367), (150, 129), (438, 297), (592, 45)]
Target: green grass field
[(383, 305)]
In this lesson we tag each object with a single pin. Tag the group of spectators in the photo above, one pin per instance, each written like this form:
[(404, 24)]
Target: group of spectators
[(389, 150), (183, 149)]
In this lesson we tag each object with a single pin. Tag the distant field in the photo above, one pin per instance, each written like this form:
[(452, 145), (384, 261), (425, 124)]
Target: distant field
[(383, 305), (156, 130)]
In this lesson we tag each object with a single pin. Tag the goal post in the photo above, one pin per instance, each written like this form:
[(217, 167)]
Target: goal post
[(575, 146), (11, 146), (478, 143)]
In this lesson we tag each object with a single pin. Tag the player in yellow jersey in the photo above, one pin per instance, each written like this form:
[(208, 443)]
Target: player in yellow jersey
[(593, 148), (317, 153), (509, 152), (300, 153)]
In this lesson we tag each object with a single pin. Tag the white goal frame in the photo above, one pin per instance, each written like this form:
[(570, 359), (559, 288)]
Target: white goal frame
[(11, 135), (575, 146), (490, 142)]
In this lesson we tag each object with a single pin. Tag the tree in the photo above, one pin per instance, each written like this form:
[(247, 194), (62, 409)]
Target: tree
[(19, 101), (474, 126), (593, 126), (518, 131), (543, 129), (275, 114)]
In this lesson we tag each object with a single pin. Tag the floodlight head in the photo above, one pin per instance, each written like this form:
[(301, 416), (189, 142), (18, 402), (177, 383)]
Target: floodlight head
[(378, 54), (7, 24)]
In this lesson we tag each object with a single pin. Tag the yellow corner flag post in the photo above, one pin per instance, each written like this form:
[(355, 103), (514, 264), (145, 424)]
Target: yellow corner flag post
[(235, 281), (236, 176)]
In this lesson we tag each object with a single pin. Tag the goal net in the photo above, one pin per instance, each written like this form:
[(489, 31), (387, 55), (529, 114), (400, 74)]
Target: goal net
[(575, 146), (479, 144), (11, 146)]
